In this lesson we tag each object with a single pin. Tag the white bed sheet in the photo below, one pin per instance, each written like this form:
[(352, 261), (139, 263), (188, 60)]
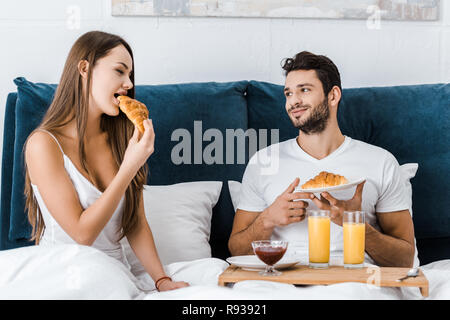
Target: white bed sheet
[(64, 272), (437, 273), (81, 272)]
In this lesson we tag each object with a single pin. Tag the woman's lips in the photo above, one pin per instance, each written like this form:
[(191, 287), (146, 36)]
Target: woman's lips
[(116, 101)]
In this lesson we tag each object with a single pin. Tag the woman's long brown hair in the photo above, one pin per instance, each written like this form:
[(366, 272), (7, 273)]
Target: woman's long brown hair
[(69, 103)]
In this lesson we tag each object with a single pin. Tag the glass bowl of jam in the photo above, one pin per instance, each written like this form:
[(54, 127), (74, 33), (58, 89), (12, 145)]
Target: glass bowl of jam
[(270, 252)]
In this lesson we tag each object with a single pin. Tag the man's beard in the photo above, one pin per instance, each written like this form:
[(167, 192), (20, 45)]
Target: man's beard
[(317, 121)]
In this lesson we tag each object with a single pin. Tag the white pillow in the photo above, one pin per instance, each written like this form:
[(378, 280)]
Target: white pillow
[(179, 216), (235, 192), (407, 171)]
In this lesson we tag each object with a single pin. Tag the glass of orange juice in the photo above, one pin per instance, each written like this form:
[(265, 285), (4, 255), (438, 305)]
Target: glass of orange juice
[(319, 238), (354, 238)]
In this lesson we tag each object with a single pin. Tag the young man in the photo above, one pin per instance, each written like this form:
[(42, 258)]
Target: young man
[(269, 207)]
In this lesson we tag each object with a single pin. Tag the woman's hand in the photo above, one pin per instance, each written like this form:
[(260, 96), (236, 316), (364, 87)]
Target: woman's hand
[(168, 284), (337, 207), (139, 149)]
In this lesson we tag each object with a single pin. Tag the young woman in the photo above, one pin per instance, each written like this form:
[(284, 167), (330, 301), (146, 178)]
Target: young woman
[(86, 162)]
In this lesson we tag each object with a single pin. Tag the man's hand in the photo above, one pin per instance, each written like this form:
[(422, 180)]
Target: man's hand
[(337, 207), (285, 210)]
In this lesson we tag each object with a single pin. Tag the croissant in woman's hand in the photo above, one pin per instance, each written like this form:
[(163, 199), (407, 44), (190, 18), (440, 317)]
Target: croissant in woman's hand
[(136, 111)]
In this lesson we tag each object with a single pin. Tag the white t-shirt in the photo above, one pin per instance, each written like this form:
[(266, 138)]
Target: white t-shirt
[(271, 170)]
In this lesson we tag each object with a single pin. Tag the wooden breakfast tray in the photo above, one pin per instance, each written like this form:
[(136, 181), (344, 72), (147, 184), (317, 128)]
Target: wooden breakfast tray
[(302, 274)]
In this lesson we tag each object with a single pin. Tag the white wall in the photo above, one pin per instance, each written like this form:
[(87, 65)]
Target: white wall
[(36, 38)]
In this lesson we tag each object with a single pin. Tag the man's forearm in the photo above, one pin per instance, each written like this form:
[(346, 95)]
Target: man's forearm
[(388, 251), (241, 242)]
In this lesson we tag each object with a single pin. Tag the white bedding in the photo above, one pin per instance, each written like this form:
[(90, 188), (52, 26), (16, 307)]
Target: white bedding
[(80, 272), (64, 272)]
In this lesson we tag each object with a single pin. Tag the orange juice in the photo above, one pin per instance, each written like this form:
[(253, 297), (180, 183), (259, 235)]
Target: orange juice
[(354, 241), (319, 239)]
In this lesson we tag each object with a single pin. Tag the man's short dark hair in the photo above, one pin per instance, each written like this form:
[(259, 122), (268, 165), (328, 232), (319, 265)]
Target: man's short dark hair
[(326, 70)]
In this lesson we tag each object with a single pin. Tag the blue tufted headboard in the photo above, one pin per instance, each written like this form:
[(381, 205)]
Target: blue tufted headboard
[(412, 122)]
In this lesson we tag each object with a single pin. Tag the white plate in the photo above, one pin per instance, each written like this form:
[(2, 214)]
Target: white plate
[(252, 263), (334, 188)]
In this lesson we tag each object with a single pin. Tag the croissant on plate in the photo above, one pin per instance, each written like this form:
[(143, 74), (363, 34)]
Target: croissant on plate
[(325, 179), (136, 111)]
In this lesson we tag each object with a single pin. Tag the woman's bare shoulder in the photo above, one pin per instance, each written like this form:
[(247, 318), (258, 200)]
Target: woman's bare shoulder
[(42, 147)]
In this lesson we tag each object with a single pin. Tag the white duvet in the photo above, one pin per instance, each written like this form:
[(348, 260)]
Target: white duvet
[(80, 272)]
